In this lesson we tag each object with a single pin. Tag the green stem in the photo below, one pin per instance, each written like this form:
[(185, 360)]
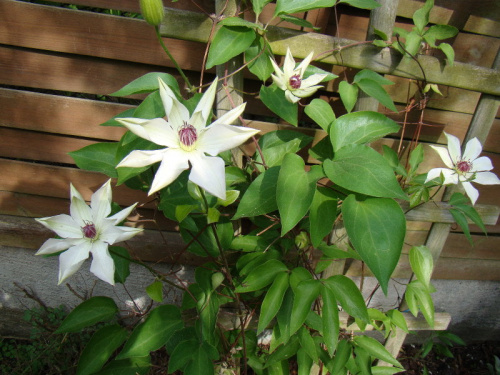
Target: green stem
[(160, 39)]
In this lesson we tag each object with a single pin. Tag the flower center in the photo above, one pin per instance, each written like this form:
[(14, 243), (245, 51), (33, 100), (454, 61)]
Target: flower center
[(295, 82), (187, 136), (89, 230), (464, 166)]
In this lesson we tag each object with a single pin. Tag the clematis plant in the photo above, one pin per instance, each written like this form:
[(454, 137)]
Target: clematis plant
[(87, 230), (464, 168), (187, 140), (291, 78)]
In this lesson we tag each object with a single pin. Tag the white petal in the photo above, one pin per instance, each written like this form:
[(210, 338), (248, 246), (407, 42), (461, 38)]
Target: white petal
[(277, 69), (487, 178), (230, 117), (482, 164), (208, 173), (176, 113), (63, 225), (139, 158), (312, 80), (204, 107), (71, 260), (472, 150), (471, 191), (289, 65), (112, 234), (102, 264), (220, 137), (123, 214), (450, 177), (303, 65), (157, 130), (101, 203), (54, 245), (306, 91), (290, 97), (454, 150), (173, 163), (279, 81), (445, 155), (80, 212), (75, 193)]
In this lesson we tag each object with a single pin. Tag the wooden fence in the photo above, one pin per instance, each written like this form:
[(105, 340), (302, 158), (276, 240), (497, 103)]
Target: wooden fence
[(57, 66)]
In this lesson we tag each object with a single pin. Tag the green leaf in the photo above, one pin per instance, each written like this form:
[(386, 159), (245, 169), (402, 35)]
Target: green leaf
[(100, 348), (304, 361), (448, 51), (98, 157), (392, 158), (229, 41), (259, 59), (307, 344), (322, 150), (384, 370), (155, 291), (274, 99), (376, 349), (294, 192), (439, 32), (280, 137), (321, 113), (151, 335), (422, 264), (376, 228), (398, 319), (148, 83), (362, 360), (128, 366), (348, 94), (462, 203), (182, 354), (174, 195), (330, 317), (362, 4), (298, 21), (121, 258), (273, 300), (418, 297), (361, 169), (342, 355), (92, 311), (237, 21), (373, 89), (360, 127), (421, 16), (262, 276), (258, 5), (323, 213), (282, 353), (295, 6), (416, 157), (372, 76), (151, 107), (304, 295), (260, 197), (348, 295), (311, 70), (112, 121)]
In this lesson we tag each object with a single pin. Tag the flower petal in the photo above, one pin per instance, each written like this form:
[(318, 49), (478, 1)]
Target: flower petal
[(221, 137), (306, 91), (482, 164), (71, 260), (139, 158), (279, 81), (471, 191), (80, 212), (75, 193), (176, 113), (450, 177), (312, 80), (204, 107), (111, 234), (100, 203), (486, 178), (472, 150), (54, 245), (208, 173), (289, 65), (454, 149), (290, 97), (157, 130), (102, 264), (230, 117), (445, 155), (123, 214), (63, 225), (173, 163), (303, 65)]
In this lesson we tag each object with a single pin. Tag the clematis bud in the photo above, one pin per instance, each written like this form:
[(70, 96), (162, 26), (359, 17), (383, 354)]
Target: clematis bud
[(152, 11), (302, 240)]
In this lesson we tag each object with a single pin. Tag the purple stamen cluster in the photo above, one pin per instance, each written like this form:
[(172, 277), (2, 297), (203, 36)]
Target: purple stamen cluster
[(89, 231), (188, 134), (295, 82), (464, 166)]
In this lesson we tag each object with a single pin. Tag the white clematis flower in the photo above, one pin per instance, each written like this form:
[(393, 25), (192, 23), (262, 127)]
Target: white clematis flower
[(290, 79), (464, 168), (187, 140), (87, 230)]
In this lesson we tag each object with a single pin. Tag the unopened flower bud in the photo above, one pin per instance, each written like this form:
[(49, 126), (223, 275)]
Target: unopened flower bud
[(152, 11), (302, 240)]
